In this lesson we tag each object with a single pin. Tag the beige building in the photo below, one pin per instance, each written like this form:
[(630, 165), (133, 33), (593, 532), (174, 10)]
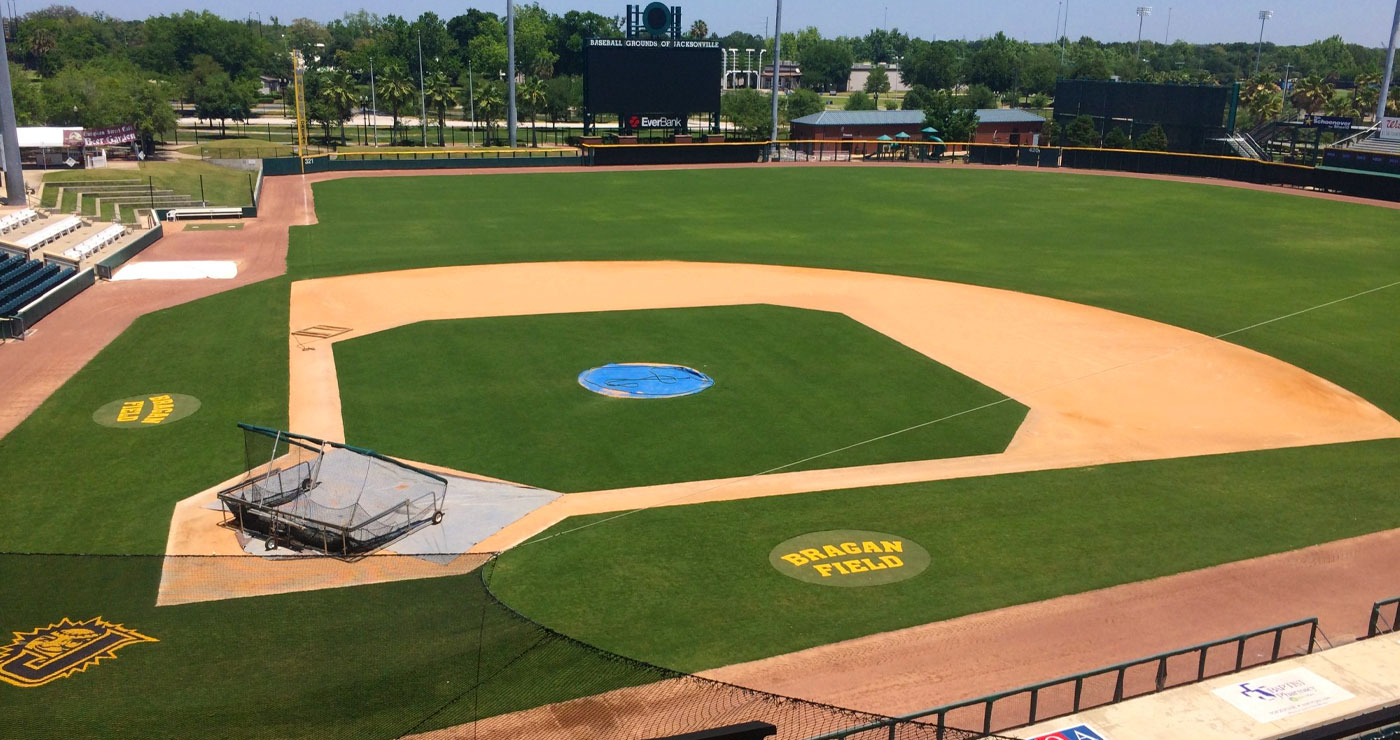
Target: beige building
[(860, 72)]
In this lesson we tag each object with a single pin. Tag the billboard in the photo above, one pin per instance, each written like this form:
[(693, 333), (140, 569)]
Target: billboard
[(652, 76), (112, 135), (1389, 129)]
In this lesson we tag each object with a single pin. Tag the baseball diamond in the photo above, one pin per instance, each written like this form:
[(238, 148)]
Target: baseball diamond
[(962, 429)]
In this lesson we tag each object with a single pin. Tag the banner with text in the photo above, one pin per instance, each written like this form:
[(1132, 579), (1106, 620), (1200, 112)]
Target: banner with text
[(110, 136)]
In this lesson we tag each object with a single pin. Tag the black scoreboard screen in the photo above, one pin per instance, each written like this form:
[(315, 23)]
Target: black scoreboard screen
[(652, 76)]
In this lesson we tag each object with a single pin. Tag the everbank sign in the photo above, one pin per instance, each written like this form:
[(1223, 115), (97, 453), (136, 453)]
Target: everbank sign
[(655, 121)]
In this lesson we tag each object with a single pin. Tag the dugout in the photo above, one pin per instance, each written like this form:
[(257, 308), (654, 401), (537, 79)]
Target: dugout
[(1193, 116)]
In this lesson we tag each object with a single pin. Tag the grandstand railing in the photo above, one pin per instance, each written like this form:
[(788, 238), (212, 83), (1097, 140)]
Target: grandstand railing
[(1033, 695), (1378, 624)]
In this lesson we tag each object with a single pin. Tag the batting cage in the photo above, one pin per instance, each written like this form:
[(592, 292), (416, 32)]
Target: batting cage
[(309, 494)]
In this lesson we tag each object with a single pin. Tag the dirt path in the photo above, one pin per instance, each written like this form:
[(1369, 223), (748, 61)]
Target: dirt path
[(1102, 386)]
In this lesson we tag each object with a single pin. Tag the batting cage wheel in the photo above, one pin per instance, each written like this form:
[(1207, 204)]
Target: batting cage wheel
[(309, 494)]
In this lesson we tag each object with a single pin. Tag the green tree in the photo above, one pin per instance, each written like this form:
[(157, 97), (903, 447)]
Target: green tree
[(748, 110), (979, 96), (440, 98), (490, 105), (698, 30), (858, 100), (1155, 140), (930, 65), (826, 64), (917, 98), (1080, 132), (533, 98), (395, 91), (340, 94), (954, 122), (1117, 138), (993, 65), (1312, 94), (803, 102), (878, 81)]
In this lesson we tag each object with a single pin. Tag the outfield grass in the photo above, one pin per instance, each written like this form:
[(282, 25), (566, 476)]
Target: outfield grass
[(698, 576), (501, 397)]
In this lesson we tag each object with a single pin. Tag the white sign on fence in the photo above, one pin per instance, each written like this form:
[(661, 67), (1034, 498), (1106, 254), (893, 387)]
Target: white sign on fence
[(1390, 128), (1281, 695)]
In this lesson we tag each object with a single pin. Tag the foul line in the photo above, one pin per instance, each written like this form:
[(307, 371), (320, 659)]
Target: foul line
[(921, 425)]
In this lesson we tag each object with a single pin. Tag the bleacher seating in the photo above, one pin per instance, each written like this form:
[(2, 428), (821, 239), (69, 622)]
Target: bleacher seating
[(53, 231), (9, 262), (17, 219), (18, 272), (22, 292), (97, 241)]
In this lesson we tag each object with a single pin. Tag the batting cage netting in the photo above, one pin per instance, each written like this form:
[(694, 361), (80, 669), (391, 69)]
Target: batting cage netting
[(306, 493), (423, 658)]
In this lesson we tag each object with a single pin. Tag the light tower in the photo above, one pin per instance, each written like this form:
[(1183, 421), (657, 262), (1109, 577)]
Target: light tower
[(1143, 11), (1264, 16)]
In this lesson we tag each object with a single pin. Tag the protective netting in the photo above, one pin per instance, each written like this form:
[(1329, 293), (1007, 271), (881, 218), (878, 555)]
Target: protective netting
[(434, 657), (310, 494)]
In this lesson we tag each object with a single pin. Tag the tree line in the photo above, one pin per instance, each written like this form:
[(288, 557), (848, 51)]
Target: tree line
[(90, 69)]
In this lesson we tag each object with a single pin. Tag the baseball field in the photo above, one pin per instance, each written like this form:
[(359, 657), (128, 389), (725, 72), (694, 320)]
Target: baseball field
[(1287, 305)]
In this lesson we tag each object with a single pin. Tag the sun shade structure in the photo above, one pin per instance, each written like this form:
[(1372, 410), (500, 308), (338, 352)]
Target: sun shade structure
[(644, 380), (902, 135), (309, 494)]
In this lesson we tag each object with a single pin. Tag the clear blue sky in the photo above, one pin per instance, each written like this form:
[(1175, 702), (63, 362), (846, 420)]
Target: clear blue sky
[(1295, 21)]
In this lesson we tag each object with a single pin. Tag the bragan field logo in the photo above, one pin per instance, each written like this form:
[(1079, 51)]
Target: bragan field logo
[(849, 557), (60, 650), (146, 411)]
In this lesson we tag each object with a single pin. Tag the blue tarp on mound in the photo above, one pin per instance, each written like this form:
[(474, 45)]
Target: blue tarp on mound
[(644, 380)]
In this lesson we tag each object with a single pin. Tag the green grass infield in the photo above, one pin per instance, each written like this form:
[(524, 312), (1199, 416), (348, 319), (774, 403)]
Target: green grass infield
[(501, 397)]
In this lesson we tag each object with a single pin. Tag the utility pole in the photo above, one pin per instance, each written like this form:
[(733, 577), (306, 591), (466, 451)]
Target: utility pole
[(1283, 112), (1167, 37), (471, 100), (1065, 35), (510, 86), (1059, 8), (777, 68), (14, 177), (422, 92), (1380, 106), (1264, 16)]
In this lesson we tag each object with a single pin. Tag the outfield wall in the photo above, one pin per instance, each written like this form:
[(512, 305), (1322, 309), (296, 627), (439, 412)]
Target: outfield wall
[(418, 161)]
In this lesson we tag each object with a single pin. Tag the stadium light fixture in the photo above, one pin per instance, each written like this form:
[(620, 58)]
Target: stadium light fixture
[(1264, 16), (1142, 12), (1389, 65)]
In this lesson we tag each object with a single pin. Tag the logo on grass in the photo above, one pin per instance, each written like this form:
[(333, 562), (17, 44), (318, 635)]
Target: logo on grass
[(849, 557), (146, 411), (60, 650)]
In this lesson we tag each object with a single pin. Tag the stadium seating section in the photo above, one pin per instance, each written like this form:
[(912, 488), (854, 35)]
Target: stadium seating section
[(22, 280)]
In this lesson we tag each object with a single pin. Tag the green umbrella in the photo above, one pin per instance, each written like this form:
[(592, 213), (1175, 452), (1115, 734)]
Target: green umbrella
[(902, 135), (928, 130), (884, 137)]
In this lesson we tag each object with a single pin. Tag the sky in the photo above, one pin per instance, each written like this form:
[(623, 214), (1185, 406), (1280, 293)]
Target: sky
[(1199, 21)]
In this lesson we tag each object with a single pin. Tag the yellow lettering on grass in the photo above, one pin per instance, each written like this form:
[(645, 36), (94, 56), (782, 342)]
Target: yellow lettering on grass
[(832, 551), (811, 554), (824, 569), (161, 406), (892, 561), (795, 559), (856, 566), (896, 546), (131, 411), (851, 548), (872, 565), (868, 546)]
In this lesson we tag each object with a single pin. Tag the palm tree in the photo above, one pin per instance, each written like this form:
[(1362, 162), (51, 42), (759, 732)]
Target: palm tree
[(1265, 106), (490, 103), (339, 93), (698, 30), (1261, 84), (441, 97), (1343, 106), (395, 90), (1312, 94), (534, 96), (1367, 93), (41, 42)]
